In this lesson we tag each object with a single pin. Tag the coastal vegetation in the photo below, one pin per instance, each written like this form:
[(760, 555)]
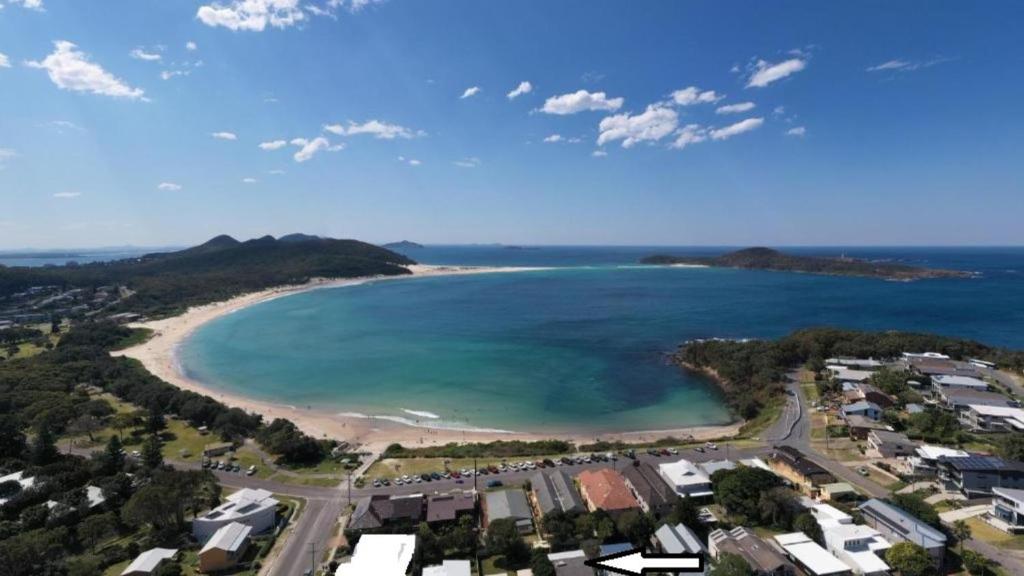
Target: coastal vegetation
[(769, 259), (498, 448), (165, 284)]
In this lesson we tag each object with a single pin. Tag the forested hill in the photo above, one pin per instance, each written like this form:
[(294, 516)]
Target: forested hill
[(768, 259), (168, 283)]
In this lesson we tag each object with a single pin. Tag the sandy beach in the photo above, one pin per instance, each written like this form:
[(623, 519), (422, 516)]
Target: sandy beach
[(158, 355)]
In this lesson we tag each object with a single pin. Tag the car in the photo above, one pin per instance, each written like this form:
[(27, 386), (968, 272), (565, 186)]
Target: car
[(699, 449), (863, 471), (665, 452), (482, 472), (426, 477), (494, 483), (492, 469), (673, 451), (460, 481), (220, 465), (206, 463), (566, 461), (386, 482), (376, 483), (610, 456), (406, 479), (399, 482), (456, 474), (136, 454), (418, 480), (435, 476), (549, 463), (653, 452), (446, 476)]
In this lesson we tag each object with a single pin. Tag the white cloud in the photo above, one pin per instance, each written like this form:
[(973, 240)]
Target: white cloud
[(689, 134), (273, 145), (376, 128), (5, 62), (62, 125), (252, 15), (897, 65), (693, 95), (310, 148), (471, 162), (765, 72), (524, 88), (7, 154), (653, 124), (580, 101), (554, 138), (276, 172), (36, 5), (737, 128), (735, 108), (249, 180), (191, 46), (414, 162), (71, 69), (141, 54), (168, 74), (470, 92), (168, 186), (67, 194), (799, 131), (599, 153), (225, 135)]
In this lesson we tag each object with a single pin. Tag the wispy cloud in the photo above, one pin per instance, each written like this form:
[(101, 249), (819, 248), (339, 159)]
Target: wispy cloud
[(375, 128), (224, 135), (581, 101), (735, 108), (798, 131), (524, 88), (765, 73), (36, 5), (191, 46), (554, 138), (252, 15), (71, 69), (689, 134), (470, 92), (168, 186), (471, 162), (142, 54), (692, 95), (273, 145), (308, 148), (651, 125), (249, 180), (409, 161), (906, 65), (66, 195), (5, 62), (736, 129)]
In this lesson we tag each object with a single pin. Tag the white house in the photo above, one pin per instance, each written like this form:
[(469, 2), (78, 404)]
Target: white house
[(982, 418), (924, 462), (26, 482), (380, 555), (686, 479), (147, 562), (254, 508), (449, 568), (959, 382), (815, 560)]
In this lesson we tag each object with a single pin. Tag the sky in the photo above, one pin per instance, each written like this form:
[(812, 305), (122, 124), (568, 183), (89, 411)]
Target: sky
[(167, 122)]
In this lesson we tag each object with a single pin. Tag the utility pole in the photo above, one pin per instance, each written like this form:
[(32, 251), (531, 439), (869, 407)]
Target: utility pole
[(475, 474), (349, 476), (312, 557)]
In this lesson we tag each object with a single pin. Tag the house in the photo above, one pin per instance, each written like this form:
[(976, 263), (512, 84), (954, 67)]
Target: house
[(1007, 512), (380, 555), (762, 558), (225, 548), (217, 449), (792, 465), (649, 489), (955, 381), (611, 550), (712, 466), (863, 408), (860, 547), (148, 562), (508, 504), (898, 526), (605, 489), (873, 394), (934, 366), (252, 507), (447, 508), (958, 399), (924, 463), (378, 511), (976, 475), (572, 563), (890, 444), (26, 482), (555, 492), (828, 515), (449, 568), (856, 363), (859, 427), (980, 418), (812, 558), (837, 491), (678, 539), (686, 479)]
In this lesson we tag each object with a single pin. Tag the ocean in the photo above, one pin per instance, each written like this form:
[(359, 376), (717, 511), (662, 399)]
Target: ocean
[(579, 347)]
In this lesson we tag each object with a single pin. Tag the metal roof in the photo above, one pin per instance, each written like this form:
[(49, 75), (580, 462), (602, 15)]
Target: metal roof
[(230, 537)]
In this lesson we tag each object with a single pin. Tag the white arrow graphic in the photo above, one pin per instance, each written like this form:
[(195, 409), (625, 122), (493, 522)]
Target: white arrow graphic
[(637, 562)]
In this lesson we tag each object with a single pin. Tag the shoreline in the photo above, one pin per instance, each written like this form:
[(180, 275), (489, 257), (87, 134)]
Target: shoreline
[(159, 356)]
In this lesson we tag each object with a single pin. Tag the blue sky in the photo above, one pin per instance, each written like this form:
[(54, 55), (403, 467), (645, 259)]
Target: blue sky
[(778, 123)]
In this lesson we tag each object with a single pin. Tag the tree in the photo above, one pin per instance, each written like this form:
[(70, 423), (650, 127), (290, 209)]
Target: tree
[(85, 565), (122, 421), (9, 489), (113, 456), (503, 538), (85, 424), (12, 440), (686, 512), (430, 549), (731, 565), (94, 529), (540, 565), (808, 524), (152, 452), (915, 505), (975, 563), (909, 559), (462, 537), (962, 532), (44, 451), (598, 524), (637, 526), (155, 422), (778, 506), (1011, 447), (739, 490)]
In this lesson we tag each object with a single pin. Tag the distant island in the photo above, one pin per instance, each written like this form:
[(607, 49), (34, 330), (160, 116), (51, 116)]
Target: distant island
[(403, 245), (769, 259)]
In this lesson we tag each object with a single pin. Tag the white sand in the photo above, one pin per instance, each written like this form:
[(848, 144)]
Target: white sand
[(158, 355)]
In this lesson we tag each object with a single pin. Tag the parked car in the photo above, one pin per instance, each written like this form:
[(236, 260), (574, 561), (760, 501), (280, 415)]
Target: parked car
[(494, 483)]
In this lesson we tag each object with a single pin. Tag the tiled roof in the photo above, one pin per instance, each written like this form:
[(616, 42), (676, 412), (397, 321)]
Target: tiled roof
[(607, 490)]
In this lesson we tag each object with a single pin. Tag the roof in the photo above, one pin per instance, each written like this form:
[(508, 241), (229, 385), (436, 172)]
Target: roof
[(507, 504), (449, 568), (649, 486), (914, 408), (837, 488), (887, 437), (980, 463), (755, 463), (380, 555), (617, 548), (741, 541), (556, 492), (376, 511), (1012, 415), (828, 515), (962, 381), (908, 527), (684, 474), (809, 554), (447, 507), (713, 466), (964, 396), (860, 406), (606, 489), (230, 537), (19, 477), (851, 375), (860, 546), (1009, 493), (571, 563), (149, 560), (678, 539), (796, 459), (859, 421), (930, 452), (245, 502)]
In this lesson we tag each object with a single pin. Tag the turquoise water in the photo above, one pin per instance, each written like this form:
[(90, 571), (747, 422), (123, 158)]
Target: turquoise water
[(577, 348)]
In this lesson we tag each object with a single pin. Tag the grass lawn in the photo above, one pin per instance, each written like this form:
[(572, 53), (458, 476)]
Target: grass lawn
[(981, 530), (765, 418), (307, 480), (392, 467)]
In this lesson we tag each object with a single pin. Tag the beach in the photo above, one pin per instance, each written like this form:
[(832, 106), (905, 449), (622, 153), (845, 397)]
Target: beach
[(159, 356)]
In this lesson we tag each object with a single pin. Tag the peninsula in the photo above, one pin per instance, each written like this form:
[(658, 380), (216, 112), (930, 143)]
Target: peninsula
[(769, 259)]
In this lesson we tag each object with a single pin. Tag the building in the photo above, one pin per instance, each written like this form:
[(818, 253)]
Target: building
[(958, 399), (855, 363), (812, 558), (26, 482), (762, 558), (380, 555), (448, 508), (863, 408), (678, 539), (686, 479), (572, 563), (148, 562), (980, 418), (837, 491), (935, 366), (605, 489), (217, 449), (975, 476), (955, 381), (828, 515), (649, 489), (1007, 512), (792, 465), (508, 504), (254, 508), (225, 548), (844, 374), (712, 466), (374, 512), (924, 463), (449, 568), (898, 526), (860, 547), (555, 492), (890, 444), (859, 427)]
